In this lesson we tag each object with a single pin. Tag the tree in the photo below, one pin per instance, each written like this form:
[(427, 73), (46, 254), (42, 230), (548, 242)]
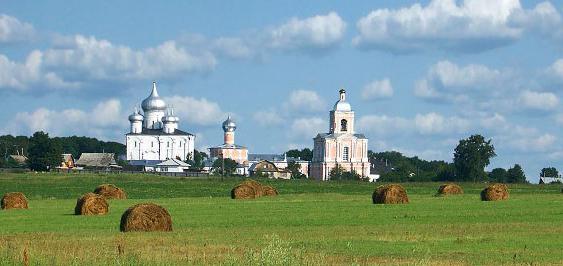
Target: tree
[(515, 175), (498, 175), (295, 168), (338, 173), (230, 166), (44, 153), (304, 154), (471, 156), (549, 172), (198, 160)]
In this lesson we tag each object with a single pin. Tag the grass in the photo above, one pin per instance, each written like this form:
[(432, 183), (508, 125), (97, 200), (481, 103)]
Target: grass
[(310, 223)]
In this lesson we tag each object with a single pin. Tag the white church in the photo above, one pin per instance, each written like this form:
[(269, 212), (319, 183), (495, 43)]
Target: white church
[(154, 137)]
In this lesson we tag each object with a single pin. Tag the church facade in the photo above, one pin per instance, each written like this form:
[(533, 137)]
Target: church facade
[(341, 146), (229, 149), (154, 134)]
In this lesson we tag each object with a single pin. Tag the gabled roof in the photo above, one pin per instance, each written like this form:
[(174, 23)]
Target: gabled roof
[(173, 163), (96, 159), (21, 159), (547, 180), (228, 146), (160, 132), (266, 157)]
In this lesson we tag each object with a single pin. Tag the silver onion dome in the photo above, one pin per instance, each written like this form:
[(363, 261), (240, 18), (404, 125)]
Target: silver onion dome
[(153, 102), (342, 105), (136, 117), (170, 117), (229, 125)]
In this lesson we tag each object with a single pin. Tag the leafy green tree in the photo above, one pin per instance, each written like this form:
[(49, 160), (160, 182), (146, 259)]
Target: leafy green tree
[(471, 156), (305, 154), (446, 172), (44, 153), (498, 175), (198, 160), (230, 166), (295, 168), (549, 172), (338, 173), (515, 175)]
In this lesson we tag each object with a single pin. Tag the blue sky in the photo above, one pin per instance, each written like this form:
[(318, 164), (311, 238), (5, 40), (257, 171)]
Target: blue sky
[(420, 76)]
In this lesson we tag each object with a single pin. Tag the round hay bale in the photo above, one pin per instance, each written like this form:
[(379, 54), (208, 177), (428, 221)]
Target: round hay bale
[(450, 189), (14, 200), (243, 191), (390, 194), (146, 217), (269, 191), (255, 185), (91, 204), (110, 191), (495, 192)]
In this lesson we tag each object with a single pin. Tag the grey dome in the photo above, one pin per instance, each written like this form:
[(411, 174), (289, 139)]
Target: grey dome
[(342, 105), (170, 117), (229, 125), (153, 102), (136, 116)]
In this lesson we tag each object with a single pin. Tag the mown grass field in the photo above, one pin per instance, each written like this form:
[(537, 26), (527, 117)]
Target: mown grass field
[(310, 223)]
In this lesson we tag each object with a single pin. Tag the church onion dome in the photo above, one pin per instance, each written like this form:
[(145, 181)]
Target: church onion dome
[(136, 117), (342, 105), (153, 102), (229, 125), (170, 117)]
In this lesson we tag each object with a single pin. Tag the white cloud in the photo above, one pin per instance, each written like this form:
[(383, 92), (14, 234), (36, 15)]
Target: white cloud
[(472, 25), (305, 100), (540, 143), (423, 124), (382, 124), (13, 30), (307, 127), (232, 47), (105, 120), (90, 58), (544, 19), (544, 101), (434, 123), (321, 31), (378, 89), (22, 76), (197, 111)]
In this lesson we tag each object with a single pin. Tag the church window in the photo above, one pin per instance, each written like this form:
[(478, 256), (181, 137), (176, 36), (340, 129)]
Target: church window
[(152, 144), (343, 125), (168, 144), (346, 154), (135, 144)]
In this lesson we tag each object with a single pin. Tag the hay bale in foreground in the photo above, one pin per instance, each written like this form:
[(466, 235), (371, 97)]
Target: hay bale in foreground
[(110, 191), (91, 204), (390, 194), (255, 185), (450, 189), (14, 200), (269, 191), (146, 217), (495, 192)]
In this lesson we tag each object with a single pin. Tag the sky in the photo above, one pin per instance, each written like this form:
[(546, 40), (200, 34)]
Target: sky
[(420, 75)]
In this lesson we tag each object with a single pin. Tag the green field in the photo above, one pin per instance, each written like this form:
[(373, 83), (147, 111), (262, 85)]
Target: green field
[(310, 223)]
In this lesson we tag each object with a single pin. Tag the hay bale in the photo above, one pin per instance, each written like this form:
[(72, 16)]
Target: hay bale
[(91, 204), (243, 191), (390, 194), (255, 185), (110, 191), (14, 200), (146, 217), (269, 191), (450, 189), (495, 192)]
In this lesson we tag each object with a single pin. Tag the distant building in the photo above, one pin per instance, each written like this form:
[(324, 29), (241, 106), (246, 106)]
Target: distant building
[(281, 161), (549, 180), (229, 149), (103, 161), (19, 159), (67, 161), (154, 135), (268, 168), (341, 146), (172, 166)]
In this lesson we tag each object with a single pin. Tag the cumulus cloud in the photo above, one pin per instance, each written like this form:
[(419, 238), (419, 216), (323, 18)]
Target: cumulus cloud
[(105, 120), (317, 32), (383, 124), (543, 101), (377, 89), (12, 30), (544, 19), (268, 118), (471, 25), (197, 111), (539, 143), (305, 100), (22, 76), (307, 127), (424, 124), (434, 123)]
